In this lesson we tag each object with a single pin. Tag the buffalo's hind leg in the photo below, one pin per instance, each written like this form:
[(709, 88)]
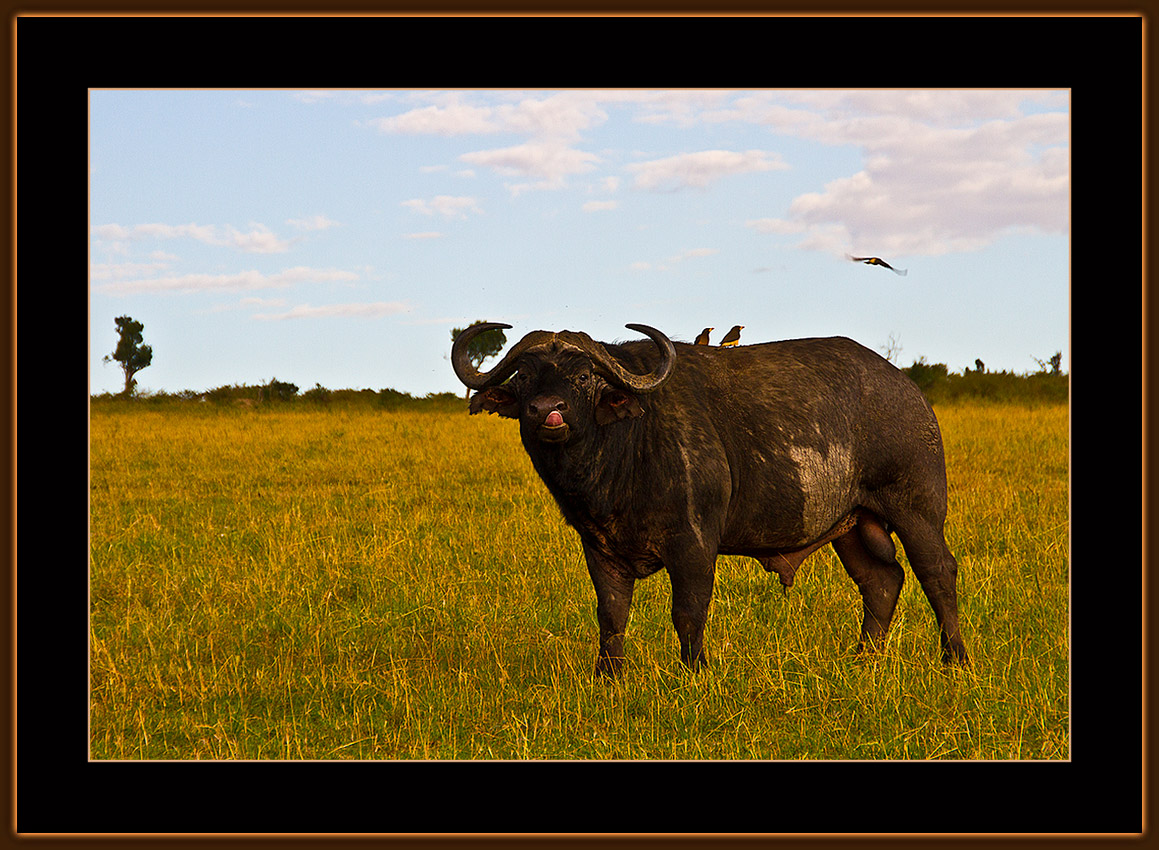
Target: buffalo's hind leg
[(867, 553), (937, 570)]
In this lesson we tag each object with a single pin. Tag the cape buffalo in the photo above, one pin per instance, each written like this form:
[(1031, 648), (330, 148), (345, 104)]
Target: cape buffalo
[(664, 455)]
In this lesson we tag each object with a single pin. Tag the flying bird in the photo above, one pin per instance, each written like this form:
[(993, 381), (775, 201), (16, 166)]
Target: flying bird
[(702, 339), (877, 261), (732, 337)]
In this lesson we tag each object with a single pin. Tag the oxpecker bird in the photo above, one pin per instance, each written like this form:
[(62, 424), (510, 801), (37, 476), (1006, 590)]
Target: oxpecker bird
[(732, 337), (702, 339), (877, 261)]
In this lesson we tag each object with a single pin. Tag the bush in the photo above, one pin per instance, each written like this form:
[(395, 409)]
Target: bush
[(394, 399), (926, 375), (227, 394), (939, 385), (277, 390), (319, 395)]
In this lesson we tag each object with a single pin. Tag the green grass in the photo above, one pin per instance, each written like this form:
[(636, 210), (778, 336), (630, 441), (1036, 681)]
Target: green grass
[(357, 584)]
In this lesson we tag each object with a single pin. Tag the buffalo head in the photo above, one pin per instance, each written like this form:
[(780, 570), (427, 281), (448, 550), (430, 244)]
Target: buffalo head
[(559, 384)]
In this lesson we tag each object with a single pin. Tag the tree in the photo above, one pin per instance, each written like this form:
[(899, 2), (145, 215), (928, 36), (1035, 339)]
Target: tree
[(277, 390), (891, 349), (130, 354), (1055, 363), (486, 344)]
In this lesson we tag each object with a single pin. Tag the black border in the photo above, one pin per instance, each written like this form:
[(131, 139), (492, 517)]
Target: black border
[(1098, 58)]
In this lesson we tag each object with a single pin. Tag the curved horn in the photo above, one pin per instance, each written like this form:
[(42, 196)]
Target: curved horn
[(468, 374), (630, 380), (476, 380)]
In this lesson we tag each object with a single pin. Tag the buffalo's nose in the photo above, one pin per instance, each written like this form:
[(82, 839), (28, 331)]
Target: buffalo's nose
[(546, 405)]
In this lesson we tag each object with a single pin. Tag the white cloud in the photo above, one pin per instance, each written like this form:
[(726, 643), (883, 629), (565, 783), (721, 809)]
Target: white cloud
[(551, 123), (666, 265), (316, 222), (983, 182), (371, 310), (237, 281), (700, 168), (426, 234), (560, 116), (258, 240), (120, 271), (942, 171), (448, 206), (112, 232), (549, 163), (200, 232), (453, 120), (599, 206), (683, 108)]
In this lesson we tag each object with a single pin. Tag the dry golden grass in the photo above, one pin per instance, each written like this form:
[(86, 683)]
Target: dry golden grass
[(310, 584)]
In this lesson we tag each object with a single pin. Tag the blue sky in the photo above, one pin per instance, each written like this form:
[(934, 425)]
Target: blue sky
[(336, 237)]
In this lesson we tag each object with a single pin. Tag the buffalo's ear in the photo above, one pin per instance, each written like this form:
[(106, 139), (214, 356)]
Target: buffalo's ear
[(496, 400), (615, 405)]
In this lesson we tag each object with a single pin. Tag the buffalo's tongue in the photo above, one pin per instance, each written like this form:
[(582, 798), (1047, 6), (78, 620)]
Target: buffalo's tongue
[(554, 420)]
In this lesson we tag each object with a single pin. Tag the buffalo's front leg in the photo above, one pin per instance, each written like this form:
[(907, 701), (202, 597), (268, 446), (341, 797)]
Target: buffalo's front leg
[(613, 600), (692, 580)]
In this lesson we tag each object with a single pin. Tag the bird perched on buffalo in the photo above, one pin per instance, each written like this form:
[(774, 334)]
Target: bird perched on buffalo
[(702, 337), (877, 261), (732, 337)]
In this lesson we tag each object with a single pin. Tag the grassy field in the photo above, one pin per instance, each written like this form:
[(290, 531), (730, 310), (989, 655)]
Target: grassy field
[(291, 583)]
